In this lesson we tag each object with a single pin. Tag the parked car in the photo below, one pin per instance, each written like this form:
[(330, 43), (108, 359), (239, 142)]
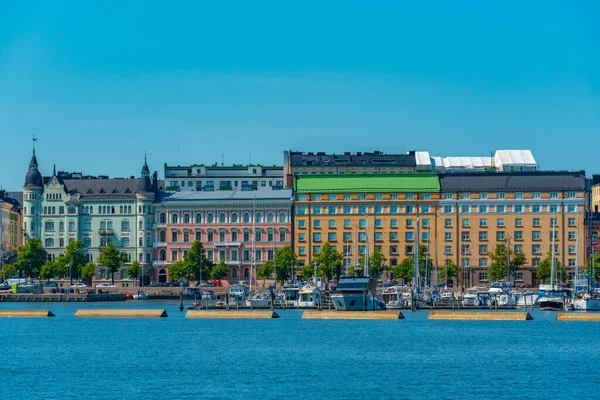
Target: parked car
[(207, 284), (105, 285), (78, 285), (51, 284)]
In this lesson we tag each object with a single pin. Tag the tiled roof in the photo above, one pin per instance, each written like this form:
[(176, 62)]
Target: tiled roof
[(103, 188), (220, 195), (513, 182), (367, 183)]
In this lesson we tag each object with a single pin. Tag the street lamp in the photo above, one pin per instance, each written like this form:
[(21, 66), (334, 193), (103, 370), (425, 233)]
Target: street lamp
[(180, 292)]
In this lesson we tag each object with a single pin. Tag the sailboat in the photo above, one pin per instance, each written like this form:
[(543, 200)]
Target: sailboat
[(356, 293), (589, 301), (552, 298)]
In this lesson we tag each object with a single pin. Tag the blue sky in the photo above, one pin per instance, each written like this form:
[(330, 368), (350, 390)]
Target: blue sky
[(100, 82)]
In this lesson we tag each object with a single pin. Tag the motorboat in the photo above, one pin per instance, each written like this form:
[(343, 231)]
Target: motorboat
[(526, 299), (259, 300), (469, 298), (586, 303), (392, 297), (140, 295), (308, 296), (355, 294), (289, 295), (552, 298)]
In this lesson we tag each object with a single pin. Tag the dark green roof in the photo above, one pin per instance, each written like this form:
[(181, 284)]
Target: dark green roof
[(368, 183)]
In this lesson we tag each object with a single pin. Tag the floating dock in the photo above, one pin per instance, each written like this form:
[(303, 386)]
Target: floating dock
[(481, 316), (233, 314), (26, 313), (352, 315), (121, 313), (578, 317)]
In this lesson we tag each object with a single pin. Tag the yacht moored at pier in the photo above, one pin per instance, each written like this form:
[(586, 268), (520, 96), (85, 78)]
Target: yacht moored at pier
[(350, 295)]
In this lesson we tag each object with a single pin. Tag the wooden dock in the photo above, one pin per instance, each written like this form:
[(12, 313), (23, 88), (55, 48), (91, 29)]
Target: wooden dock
[(26, 313), (232, 314), (61, 298), (481, 316), (578, 317), (121, 313), (372, 315)]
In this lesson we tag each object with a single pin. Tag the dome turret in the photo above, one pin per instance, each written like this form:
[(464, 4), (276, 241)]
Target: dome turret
[(33, 179)]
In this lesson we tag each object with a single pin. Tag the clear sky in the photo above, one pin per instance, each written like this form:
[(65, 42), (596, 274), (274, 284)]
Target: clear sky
[(100, 82)]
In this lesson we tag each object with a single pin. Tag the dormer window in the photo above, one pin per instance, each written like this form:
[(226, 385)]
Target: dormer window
[(102, 191)]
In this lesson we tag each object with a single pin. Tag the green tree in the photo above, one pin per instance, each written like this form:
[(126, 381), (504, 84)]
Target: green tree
[(307, 271), (497, 269), (8, 271), (544, 270), (377, 263), (328, 259), (285, 261), (49, 270), (196, 262), (451, 269), (219, 271), (31, 258), (73, 259), (134, 271), (87, 272), (265, 270), (595, 266), (112, 259), (178, 270), (517, 262), (404, 270)]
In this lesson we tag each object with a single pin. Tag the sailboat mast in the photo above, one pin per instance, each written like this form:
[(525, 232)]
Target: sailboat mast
[(576, 255), (252, 258), (553, 254), (366, 266), (416, 251)]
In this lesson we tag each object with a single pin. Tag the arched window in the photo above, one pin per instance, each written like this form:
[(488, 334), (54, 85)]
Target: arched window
[(222, 218), (174, 236), (210, 218), (162, 255), (258, 218), (61, 210), (174, 218), (163, 236), (163, 218), (186, 218), (282, 217), (141, 258), (234, 218), (45, 210), (140, 225), (270, 218), (32, 212), (246, 218), (198, 218), (148, 258), (87, 242)]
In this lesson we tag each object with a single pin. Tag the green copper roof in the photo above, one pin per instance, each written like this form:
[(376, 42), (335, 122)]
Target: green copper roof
[(424, 182)]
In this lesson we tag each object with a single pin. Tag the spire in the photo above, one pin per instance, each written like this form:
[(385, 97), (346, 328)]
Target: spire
[(54, 170), (33, 177), (145, 169), (34, 140)]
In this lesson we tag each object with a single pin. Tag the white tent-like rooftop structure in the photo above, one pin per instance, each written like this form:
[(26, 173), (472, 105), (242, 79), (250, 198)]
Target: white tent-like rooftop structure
[(503, 160)]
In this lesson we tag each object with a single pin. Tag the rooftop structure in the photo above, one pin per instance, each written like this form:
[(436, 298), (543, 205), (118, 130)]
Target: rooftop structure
[(199, 177), (500, 160), (422, 182), (513, 182)]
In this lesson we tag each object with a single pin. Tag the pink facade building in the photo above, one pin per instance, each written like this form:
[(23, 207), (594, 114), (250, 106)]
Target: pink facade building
[(244, 228)]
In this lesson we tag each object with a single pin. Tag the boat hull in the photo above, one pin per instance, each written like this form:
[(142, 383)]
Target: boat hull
[(587, 304), (352, 301), (551, 304)]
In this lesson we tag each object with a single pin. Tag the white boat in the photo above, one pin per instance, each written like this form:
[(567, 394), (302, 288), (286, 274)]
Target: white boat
[(308, 296), (552, 298), (289, 295), (526, 299), (351, 292), (139, 295), (392, 297), (586, 303), (469, 298), (259, 300), (506, 300)]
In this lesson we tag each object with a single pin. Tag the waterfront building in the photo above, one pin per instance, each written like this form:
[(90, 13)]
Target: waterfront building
[(595, 193), (199, 177), (10, 223), (477, 211), (351, 211), (96, 210), (243, 228)]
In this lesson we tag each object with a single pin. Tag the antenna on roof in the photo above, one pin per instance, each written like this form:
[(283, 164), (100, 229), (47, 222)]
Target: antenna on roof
[(250, 155), (222, 158), (34, 140), (178, 156)]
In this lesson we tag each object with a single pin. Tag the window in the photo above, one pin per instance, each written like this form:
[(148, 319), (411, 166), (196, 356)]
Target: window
[(518, 208), (550, 235), (72, 225), (447, 249), (347, 210), (408, 209), (270, 235), (500, 235), (332, 210), (377, 223), (482, 222), (570, 221), (535, 235), (518, 235), (301, 211), (501, 195), (465, 196), (234, 218), (258, 236), (174, 218), (447, 209), (316, 197), (465, 209), (393, 236), (424, 236), (483, 249), (518, 248), (553, 208), (125, 242), (393, 196), (535, 262), (87, 226), (465, 222), (409, 236), (448, 196), (362, 196), (571, 208), (448, 223), (571, 249), (87, 242), (483, 209), (301, 197), (316, 237), (408, 250), (500, 222), (301, 250), (465, 262), (186, 236), (174, 237), (301, 223), (536, 222), (535, 249), (553, 221), (316, 249), (483, 235), (518, 195), (378, 236), (410, 196), (483, 263), (362, 223), (393, 249), (554, 195), (49, 226), (483, 195), (346, 223), (332, 197), (198, 236), (378, 196), (465, 249), (393, 223), (49, 242), (409, 223), (425, 209), (426, 196), (347, 197), (448, 236), (500, 209), (377, 210), (571, 235), (362, 236), (316, 223), (332, 223)]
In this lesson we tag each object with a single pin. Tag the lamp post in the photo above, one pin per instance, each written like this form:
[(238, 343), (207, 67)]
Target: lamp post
[(180, 293)]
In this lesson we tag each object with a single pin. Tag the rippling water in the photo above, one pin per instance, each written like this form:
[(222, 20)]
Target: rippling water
[(178, 358)]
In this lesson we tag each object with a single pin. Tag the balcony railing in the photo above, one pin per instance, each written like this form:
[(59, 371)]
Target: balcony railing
[(160, 263), (228, 244), (106, 232), (159, 244)]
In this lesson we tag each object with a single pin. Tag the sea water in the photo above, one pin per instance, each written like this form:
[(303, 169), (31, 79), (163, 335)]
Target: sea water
[(291, 358)]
